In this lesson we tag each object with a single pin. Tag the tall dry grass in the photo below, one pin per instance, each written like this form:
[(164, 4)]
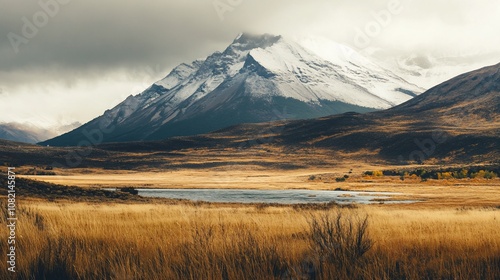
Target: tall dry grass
[(94, 241)]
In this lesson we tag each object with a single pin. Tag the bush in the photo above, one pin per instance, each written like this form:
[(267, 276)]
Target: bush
[(445, 175), (339, 242), (390, 173), (490, 175), (484, 174), (374, 173), (462, 174), (129, 190)]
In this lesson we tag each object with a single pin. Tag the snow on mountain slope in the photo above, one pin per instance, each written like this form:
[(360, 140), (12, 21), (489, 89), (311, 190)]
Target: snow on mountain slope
[(179, 74), (191, 82), (336, 53), (252, 78), (381, 81), (304, 76)]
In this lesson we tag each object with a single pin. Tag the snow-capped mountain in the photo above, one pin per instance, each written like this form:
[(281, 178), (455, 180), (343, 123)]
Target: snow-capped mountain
[(255, 79)]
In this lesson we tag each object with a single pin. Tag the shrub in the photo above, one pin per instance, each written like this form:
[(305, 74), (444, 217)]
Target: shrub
[(129, 190), (420, 172), (445, 175), (485, 174), (390, 173), (461, 174), (490, 175), (339, 242), (39, 172), (374, 173)]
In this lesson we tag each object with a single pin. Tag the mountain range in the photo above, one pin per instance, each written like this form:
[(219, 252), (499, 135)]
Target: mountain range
[(257, 78), (456, 122), (23, 133)]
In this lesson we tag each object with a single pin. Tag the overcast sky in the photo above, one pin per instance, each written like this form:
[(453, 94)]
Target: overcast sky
[(69, 60)]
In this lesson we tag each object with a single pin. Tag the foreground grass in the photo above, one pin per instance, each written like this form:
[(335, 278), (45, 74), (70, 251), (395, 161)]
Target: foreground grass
[(67, 240)]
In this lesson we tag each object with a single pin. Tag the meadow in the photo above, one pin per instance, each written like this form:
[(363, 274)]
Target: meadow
[(80, 240), (86, 233)]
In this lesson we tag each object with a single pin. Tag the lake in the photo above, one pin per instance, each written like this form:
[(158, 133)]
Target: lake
[(272, 196)]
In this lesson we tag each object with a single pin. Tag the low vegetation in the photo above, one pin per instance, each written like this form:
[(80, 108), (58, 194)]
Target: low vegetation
[(48, 191), (61, 240), (130, 190), (440, 174), (46, 171)]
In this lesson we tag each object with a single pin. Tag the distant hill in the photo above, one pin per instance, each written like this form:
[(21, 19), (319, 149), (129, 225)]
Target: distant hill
[(29, 133), (471, 97), (23, 133)]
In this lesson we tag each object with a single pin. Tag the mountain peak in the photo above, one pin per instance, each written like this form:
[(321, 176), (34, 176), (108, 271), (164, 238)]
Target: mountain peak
[(256, 40)]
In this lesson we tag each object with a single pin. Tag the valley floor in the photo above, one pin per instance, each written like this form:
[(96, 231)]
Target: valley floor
[(430, 193), (452, 233)]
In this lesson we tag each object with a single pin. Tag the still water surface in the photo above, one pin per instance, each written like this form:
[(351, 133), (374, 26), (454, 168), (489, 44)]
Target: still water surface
[(271, 196)]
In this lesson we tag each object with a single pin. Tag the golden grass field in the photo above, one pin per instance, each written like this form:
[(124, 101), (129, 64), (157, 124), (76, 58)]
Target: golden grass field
[(68, 240), (453, 233)]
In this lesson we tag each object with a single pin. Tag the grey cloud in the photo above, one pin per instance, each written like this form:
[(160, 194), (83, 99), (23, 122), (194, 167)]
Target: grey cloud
[(107, 34), (90, 37)]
